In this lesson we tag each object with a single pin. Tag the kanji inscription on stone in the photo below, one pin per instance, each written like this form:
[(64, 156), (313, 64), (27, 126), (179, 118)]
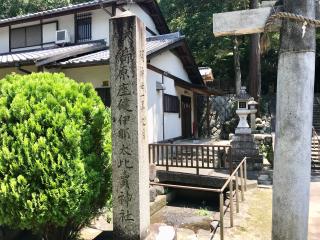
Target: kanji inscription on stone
[(131, 217)]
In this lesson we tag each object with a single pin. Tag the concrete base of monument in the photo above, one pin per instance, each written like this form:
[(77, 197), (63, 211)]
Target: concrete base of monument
[(243, 145)]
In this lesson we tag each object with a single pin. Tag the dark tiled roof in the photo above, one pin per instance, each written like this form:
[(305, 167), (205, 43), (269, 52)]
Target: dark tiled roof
[(30, 57), (153, 45)]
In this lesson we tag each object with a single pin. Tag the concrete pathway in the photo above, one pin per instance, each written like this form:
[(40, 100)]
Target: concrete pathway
[(254, 221), (314, 211)]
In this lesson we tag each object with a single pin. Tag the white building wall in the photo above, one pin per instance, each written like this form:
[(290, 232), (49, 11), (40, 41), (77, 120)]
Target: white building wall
[(49, 32), (4, 39), (144, 17), (100, 25), (10, 70), (94, 74), (157, 120), (169, 62), (155, 130)]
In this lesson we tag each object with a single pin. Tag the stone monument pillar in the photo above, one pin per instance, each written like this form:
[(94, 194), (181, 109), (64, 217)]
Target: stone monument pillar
[(131, 214), (242, 143)]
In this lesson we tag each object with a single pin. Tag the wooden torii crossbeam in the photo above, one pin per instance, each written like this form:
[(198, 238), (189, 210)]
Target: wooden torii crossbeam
[(240, 22), (246, 21)]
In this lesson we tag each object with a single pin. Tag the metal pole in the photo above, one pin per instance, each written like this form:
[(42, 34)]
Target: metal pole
[(242, 184), (237, 191), (221, 216), (245, 174), (231, 202)]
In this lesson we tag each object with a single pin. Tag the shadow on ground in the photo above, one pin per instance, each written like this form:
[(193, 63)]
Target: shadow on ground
[(106, 235)]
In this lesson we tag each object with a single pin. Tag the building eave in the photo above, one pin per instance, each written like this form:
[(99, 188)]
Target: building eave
[(150, 6)]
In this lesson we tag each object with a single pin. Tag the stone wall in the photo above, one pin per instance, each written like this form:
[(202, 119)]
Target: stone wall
[(222, 117), (223, 120)]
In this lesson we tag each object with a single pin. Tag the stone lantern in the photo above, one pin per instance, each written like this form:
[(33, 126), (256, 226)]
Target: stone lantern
[(242, 143), (253, 110), (243, 111)]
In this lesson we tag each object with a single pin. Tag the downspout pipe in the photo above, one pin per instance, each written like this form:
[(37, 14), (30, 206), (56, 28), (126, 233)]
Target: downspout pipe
[(163, 130)]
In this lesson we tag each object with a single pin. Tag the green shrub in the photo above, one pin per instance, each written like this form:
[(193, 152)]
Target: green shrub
[(55, 154)]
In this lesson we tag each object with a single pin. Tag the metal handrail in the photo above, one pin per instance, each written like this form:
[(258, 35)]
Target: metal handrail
[(242, 169), (244, 161)]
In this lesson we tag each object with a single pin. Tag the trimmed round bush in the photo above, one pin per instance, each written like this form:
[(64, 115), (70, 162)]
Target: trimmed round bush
[(55, 154)]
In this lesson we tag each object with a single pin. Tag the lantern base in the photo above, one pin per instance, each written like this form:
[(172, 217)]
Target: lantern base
[(243, 130)]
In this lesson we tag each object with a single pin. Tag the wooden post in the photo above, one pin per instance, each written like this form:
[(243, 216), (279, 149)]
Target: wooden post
[(231, 202), (208, 110), (242, 182), (292, 165), (221, 201), (197, 160), (237, 67), (255, 66), (167, 159), (237, 191)]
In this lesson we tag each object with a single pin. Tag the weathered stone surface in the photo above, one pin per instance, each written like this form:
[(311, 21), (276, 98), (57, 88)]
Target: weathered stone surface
[(131, 217), (243, 145), (159, 203), (292, 163), (186, 234), (153, 193), (152, 171), (160, 190)]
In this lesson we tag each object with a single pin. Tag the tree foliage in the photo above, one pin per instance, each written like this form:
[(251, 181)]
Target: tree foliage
[(194, 20), (12, 8), (55, 154)]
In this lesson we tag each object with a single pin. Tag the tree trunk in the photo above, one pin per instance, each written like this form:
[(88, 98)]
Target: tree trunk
[(237, 68), (255, 65), (292, 164)]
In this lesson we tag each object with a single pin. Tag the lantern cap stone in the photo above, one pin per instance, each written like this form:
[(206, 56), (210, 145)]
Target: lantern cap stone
[(243, 95), (252, 102)]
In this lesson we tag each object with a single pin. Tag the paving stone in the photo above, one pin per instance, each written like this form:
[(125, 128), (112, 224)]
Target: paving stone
[(204, 235), (186, 234)]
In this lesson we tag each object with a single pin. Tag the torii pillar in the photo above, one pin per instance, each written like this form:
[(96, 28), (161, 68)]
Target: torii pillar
[(292, 165), (296, 69)]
